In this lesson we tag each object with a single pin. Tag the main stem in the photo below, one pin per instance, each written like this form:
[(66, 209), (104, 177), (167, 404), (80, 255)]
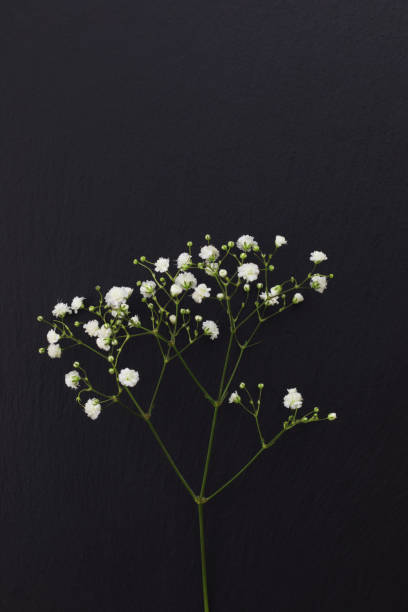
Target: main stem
[(203, 559)]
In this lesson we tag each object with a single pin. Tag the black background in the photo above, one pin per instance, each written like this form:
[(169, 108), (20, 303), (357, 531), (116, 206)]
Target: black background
[(130, 128)]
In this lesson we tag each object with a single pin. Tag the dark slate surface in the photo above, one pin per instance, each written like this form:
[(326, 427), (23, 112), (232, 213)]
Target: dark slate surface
[(129, 128)]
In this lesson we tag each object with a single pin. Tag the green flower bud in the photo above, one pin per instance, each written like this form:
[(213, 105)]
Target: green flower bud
[(111, 371), (143, 258), (331, 275), (76, 364), (111, 358), (77, 324), (255, 248), (97, 288), (242, 385), (40, 318), (91, 308), (259, 285), (260, 385), (138, 283), (41, 350), (231, 244), (207, 237), (304, 420), (135, 261), (315, 409), (271, 268), (224, 247), (243, 256), (189, 243)]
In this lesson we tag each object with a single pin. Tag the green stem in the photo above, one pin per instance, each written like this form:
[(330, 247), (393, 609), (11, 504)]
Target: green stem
[(161, 444), (209, 449), (241, 471), (203, 559)]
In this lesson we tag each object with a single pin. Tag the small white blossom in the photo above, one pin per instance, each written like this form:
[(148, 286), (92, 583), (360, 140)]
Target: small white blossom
[(201, 292), (61, 309), (269, 299), (248, 271), (103, 343), (128, 377), (72, 379), (223, 273), (318, 256), (175, 290), (173, 319), (275, 290), (93, 408), (53, 337), (318, 283), (121, 311), (186, 280), (54, 351), (293, 399), (246, 243), (162, 264), (183, 260), (211, 329), (220, 296), (148, 288), (297, 298), (92, 328), (77, 303), (280, 241), (332, 416), (198, 318), (104, 332), (117, 296), (209, 252), (211, 268), (234, 398), (134, 321)]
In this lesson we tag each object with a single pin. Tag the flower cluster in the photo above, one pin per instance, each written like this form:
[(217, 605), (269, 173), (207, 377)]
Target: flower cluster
[(238, 276)]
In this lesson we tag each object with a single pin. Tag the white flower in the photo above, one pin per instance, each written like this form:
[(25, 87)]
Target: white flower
[(103, 343), (201, 292), (53, 337), (211, 268), (211, 329), (134, 321), (61, 309), (318, 257), (198, 318), (93, 408), (186, 280), (293, 399), (269, 299), (246, 243), (297, 298), (275, 290), (175, 290), (234, 398), (318, 283), (104, 332), (121, 311), (54, 351), (183, 260), (162, 264), (220, 296), (172, 319), (223, 273), (280, 241), (92, 328), (248, 271), (128, 377), (77, 303), (209, 252), (332, 416), (72, 379), (117, 296), (148, 288)]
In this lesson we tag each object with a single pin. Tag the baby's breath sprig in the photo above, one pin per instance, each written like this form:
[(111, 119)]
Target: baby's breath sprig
[(238, 277)]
